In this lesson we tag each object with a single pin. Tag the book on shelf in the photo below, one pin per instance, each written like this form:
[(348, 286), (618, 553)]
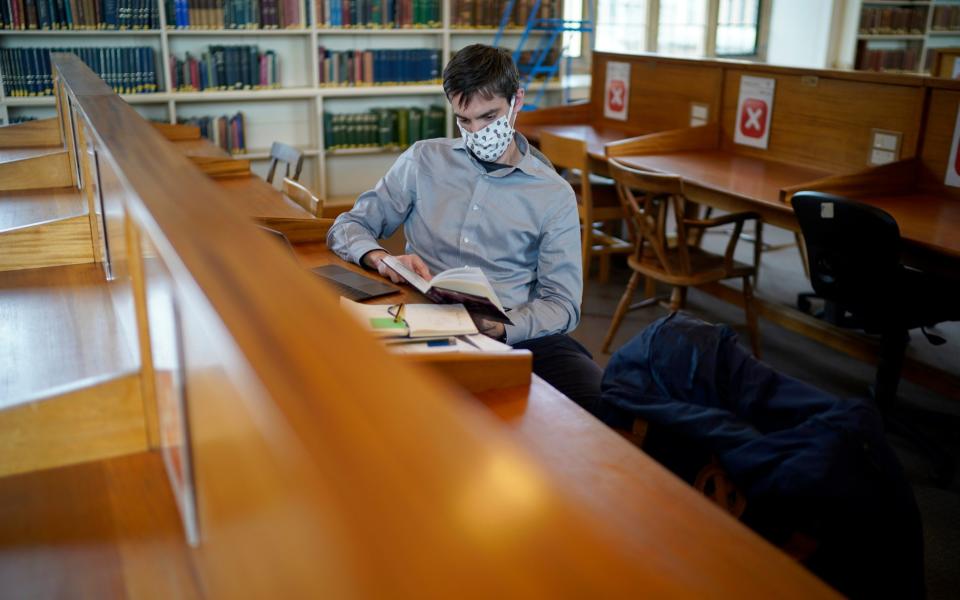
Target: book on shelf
[(379, 14), (27, 71), (56, 15), (898, 59), (392, 128), (227, 132), (236, 14), (893, 20), (242, 67), (946, 18), (487, 14), (373, 67), (463, 285)]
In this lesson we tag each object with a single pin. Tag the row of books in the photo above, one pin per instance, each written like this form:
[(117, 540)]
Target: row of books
[(892, 21), (78, 14), (489, 13), (946, 18), (226, 68), (228, 132), (371, 67), (900, 59), (27, 71), (382, 127), (236, 14), (379, 13)]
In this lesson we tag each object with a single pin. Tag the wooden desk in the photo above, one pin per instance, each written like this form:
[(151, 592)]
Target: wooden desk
[(663, 517), (733, 182), (597, 135)]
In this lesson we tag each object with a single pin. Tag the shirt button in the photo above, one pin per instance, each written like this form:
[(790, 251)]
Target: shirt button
[(466, 240), (475, 207)]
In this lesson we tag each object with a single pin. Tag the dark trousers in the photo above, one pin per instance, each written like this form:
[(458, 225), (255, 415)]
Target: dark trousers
[(566, 365)]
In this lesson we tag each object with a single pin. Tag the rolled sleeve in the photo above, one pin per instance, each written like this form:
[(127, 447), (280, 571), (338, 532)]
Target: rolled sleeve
[(555, 307), (377, 213)]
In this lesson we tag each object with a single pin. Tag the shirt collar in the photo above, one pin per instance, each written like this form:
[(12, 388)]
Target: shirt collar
[(529, 163)]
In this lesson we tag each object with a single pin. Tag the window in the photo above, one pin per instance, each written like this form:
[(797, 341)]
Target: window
[(621, 26), (737, 27), (572, 11), (682, 27), (695, 28)]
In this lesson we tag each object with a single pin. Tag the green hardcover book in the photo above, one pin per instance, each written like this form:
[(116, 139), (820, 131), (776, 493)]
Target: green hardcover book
[(338, 131), (327, 130), (415, 128), (403, 124)]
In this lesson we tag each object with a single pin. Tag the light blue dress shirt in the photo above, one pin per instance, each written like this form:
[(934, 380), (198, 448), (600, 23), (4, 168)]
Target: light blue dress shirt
[(519, 224)]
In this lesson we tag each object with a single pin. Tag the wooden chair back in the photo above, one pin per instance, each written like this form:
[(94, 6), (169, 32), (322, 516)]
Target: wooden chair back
[(564, 152), (302, 196), (280, 152), (647, 199)]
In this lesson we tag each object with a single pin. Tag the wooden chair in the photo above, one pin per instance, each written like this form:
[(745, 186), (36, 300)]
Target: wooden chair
[(597, 202), (302, 196), (677, 261), (289, 155)]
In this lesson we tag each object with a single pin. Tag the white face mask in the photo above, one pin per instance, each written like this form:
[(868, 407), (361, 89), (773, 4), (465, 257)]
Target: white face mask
[(491, 142)]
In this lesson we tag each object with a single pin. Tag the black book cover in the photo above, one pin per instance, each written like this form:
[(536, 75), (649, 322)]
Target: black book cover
[(245, 67)]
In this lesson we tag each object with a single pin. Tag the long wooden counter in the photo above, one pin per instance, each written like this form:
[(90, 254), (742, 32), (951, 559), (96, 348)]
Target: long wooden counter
[(319, 464)]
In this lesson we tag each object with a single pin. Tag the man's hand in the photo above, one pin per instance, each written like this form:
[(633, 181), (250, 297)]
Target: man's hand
[(374, 260), (491, 329)]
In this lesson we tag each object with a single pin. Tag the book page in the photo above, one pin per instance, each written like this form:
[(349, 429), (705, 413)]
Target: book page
[(412, 278), (469, 280), (438, 319)]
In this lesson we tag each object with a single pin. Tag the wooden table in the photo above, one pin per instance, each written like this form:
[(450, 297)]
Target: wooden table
[(735, 182), (657, 509), (595, 134)]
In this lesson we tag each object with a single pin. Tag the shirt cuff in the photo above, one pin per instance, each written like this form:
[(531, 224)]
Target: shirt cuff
[(361, 249)]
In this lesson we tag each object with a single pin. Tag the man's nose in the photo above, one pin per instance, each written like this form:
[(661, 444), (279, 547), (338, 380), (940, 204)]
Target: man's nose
[(473, 127)]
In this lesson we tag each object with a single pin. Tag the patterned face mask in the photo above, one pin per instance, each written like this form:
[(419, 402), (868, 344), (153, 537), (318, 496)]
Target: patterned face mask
[(491, 142)]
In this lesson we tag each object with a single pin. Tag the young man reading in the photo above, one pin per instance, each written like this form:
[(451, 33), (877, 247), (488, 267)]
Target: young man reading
[(487, 200)]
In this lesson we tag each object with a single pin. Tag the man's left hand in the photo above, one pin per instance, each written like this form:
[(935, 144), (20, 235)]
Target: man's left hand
[(491, 329)]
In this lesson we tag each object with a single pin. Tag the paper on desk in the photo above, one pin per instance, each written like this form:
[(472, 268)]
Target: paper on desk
[(376, 318)]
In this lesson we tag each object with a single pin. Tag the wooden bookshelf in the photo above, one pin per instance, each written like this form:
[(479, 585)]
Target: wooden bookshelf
[(300, 94), (884, 43)]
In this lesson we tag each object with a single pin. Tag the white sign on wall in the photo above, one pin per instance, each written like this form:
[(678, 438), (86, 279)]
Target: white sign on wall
[(617, 91), (953, 163), (753, 111)]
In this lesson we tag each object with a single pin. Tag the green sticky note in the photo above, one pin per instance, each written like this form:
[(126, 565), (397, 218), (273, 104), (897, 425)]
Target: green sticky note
[(387, 323)]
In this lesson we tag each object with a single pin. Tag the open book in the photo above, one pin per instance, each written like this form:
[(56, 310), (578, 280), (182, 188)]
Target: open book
[(463, 285)]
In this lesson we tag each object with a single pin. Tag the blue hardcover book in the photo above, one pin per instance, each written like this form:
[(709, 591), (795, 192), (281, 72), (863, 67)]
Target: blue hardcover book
[(110, 16)]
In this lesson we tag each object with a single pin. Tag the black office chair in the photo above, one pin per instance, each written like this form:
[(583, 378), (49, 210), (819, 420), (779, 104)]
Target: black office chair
[(853, 251)]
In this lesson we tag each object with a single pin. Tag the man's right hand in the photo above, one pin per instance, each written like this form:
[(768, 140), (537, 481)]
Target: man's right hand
[(374, 260)]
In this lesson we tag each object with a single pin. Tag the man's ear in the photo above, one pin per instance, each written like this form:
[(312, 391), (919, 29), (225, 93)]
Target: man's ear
[(518, 105)]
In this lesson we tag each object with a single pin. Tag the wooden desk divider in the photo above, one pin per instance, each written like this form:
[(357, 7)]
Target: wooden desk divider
[(308, 460)]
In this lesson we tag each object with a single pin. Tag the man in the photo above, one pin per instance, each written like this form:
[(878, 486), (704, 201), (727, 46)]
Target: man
[(486, 200)]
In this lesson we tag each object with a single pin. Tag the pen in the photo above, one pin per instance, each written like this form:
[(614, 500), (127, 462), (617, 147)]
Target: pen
[(399, 316)]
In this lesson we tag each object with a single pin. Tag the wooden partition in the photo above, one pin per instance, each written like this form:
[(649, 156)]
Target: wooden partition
[(825, 119), (320, 465)]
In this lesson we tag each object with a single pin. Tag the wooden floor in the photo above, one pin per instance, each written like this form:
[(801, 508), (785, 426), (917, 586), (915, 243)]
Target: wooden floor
[(22, 208), (120, 511), (57, 328)]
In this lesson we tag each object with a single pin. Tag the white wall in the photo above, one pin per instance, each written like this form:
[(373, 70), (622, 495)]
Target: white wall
[(800, 33)]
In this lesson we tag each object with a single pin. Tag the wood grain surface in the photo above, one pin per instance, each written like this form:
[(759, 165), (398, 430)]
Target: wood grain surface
[(42, 133), (82, 422), (58, 328), (29, 207), (58, 242)]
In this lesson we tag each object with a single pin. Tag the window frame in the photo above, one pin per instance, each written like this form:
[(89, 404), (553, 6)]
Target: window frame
[(710, 32)]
